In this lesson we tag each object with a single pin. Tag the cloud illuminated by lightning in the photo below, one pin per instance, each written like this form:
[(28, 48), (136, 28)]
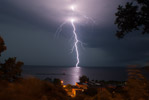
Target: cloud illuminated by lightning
[(74, 10), (76, 37)]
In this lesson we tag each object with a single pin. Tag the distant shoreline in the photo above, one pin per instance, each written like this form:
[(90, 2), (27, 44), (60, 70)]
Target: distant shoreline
[(50, 73)]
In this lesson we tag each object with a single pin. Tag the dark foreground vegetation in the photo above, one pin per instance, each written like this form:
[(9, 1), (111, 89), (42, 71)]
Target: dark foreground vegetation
[(135, 88), (31, 89), (15, 87)]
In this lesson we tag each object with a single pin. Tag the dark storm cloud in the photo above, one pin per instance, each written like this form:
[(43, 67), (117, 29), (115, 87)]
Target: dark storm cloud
[(10, 12), (28, 28), (130, 50)]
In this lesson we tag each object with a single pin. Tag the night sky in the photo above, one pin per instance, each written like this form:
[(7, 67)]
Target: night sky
[(28, 28)]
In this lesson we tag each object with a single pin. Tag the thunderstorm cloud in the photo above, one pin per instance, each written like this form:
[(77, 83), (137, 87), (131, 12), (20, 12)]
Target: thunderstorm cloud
[(28, 28)]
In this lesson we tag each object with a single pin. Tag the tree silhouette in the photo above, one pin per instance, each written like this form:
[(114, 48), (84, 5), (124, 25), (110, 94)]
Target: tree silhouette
[(11, 70), (2, 45), (84, 79), (134, 16), (57, 82)]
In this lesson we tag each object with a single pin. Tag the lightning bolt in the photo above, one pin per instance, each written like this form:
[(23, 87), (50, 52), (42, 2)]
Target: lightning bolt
[(72, 20), (76, 42)]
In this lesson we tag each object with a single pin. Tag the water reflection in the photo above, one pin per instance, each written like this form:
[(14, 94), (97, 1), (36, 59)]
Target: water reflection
[(75, 74), (70, 75)]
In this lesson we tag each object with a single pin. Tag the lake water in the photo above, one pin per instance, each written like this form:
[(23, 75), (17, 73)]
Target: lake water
[(70, 75)]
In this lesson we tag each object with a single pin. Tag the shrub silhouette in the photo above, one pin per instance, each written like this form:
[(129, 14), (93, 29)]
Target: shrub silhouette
[(11, 70), (83, 79), (2, 45), (32, 89), (136, 86)]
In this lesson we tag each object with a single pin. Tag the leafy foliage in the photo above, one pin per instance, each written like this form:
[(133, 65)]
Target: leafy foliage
[(133, 16), (91, 91), (84, 79), (57, 82), (2, 45), (11, 70), (136, 87), (32, 89)]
